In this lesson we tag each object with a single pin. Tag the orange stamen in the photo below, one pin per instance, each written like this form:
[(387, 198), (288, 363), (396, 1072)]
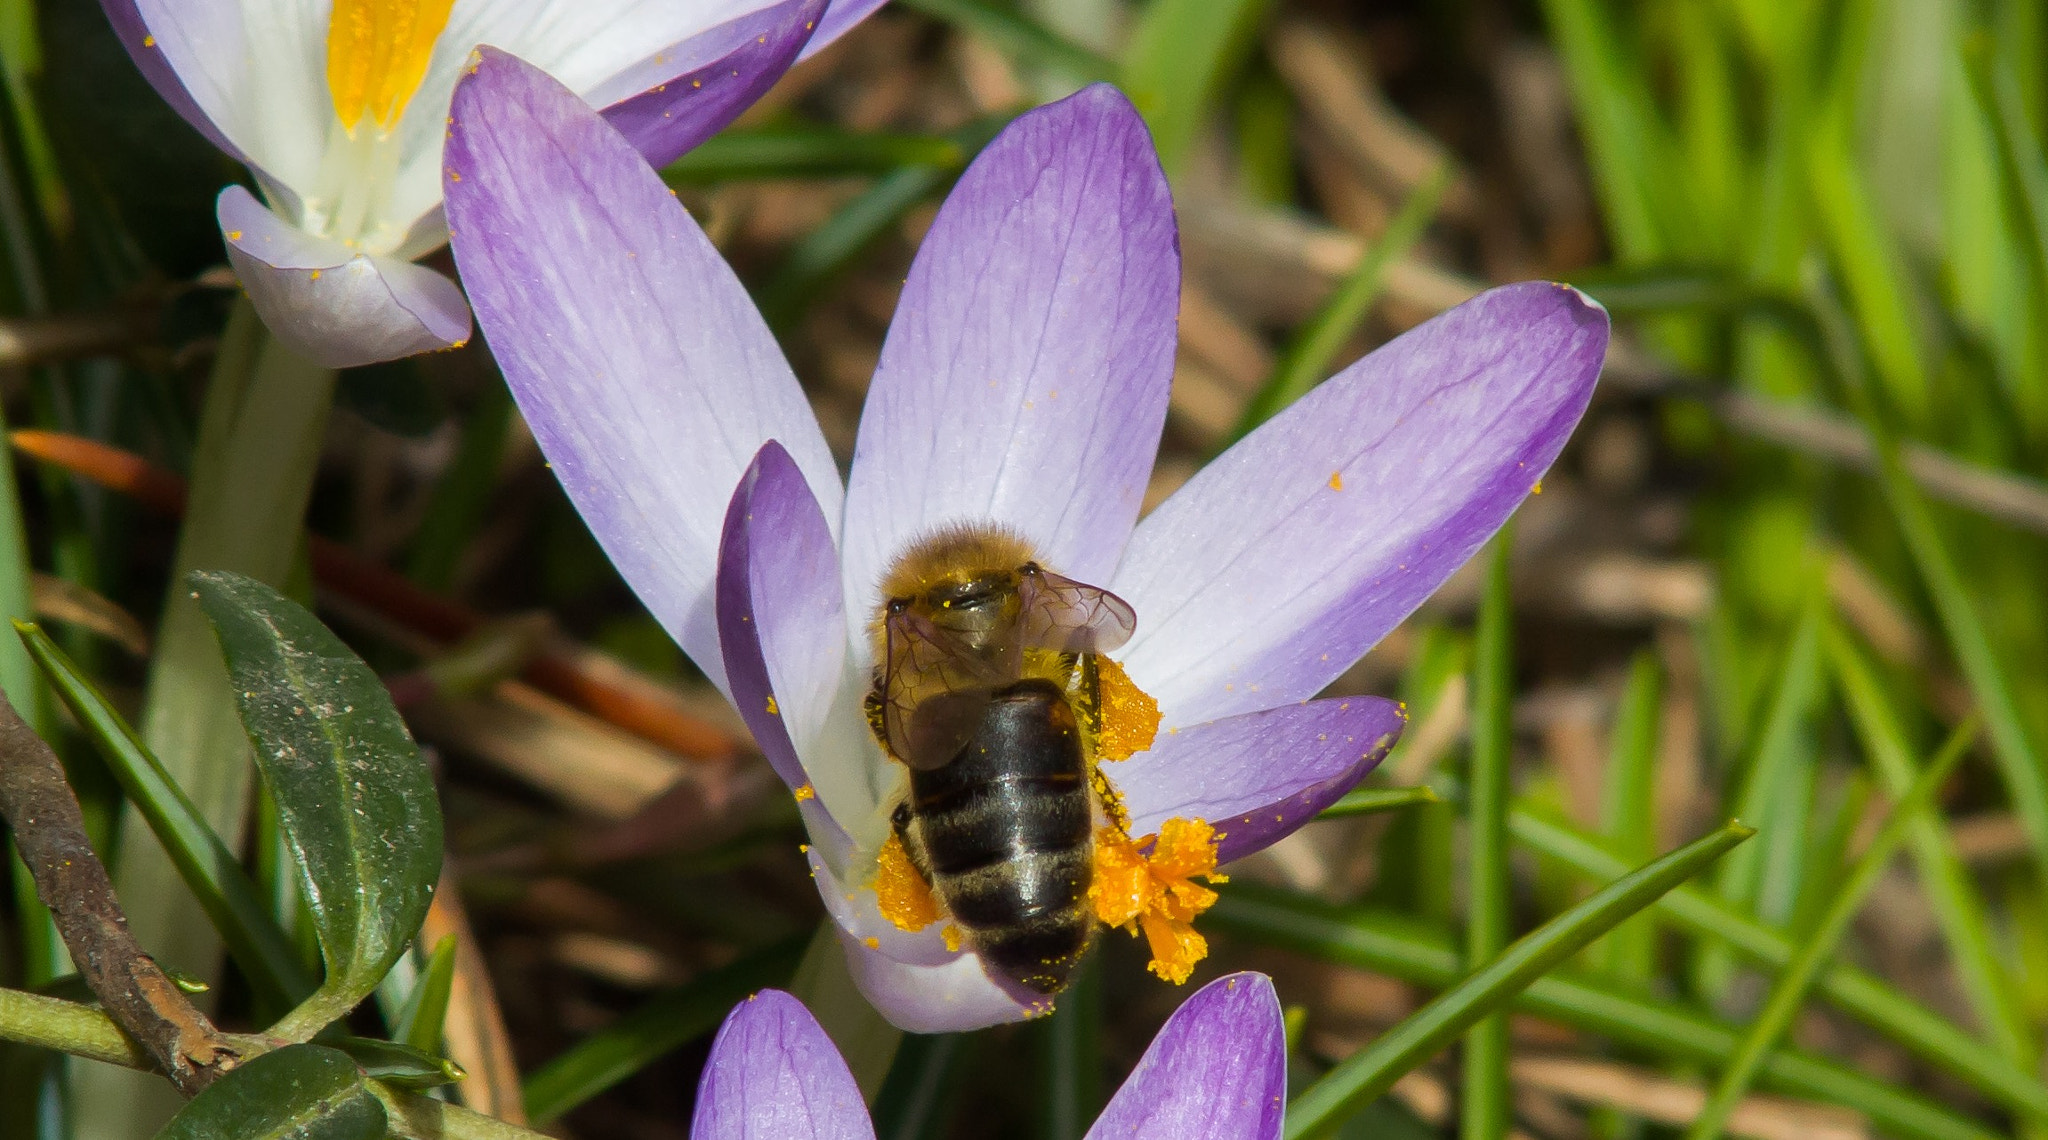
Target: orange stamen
[(377, 53), (1130, 717), (1154, 891), (904, 897)]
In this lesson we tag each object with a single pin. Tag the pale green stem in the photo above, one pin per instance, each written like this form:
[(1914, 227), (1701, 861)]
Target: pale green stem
[(252, 471), (82, 1031), (864, 1037), (67, 1027)]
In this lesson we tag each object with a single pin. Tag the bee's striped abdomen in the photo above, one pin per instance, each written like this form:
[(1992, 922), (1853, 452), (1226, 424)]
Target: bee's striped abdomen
[(1005, 831)]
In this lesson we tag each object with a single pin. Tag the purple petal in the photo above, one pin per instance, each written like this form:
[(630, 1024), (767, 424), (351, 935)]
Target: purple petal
[(330, 304), (649, 379), (1024, 379), (910, 976), (774, 1075), (1282, 562), (1258, 776), (147, 52), (1217, 1068), (779, 626), (841, 19), (687, 93)]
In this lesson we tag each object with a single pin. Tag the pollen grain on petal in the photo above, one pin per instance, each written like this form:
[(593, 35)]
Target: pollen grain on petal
[(900, 892), (805, 792), (1336, 480), (377, 53)]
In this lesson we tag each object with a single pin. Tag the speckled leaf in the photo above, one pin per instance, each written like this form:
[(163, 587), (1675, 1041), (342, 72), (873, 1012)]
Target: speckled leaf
[(355, 800), (300, 1092)]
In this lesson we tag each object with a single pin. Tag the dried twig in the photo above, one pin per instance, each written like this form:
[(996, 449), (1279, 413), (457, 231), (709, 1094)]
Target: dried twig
[(28, 341), (1639, 1092), (50, 832), (573, 674)]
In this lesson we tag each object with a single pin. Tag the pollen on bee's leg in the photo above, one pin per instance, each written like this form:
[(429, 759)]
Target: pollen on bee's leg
[(1130, 717), (902, 894), (1153, 891)]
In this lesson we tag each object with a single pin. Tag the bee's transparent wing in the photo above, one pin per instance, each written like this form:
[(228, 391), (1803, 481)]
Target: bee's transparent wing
[(933, 696), (1066, 616)]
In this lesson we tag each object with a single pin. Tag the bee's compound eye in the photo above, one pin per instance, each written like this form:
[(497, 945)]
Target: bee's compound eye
[(898, 605), (1031, 569)]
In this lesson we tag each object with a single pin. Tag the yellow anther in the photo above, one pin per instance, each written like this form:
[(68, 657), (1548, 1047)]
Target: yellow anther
[(1130, 717), (377, 52), (901, 893), (1155, 893)]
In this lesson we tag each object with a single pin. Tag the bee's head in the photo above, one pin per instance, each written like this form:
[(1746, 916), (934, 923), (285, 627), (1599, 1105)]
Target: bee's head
[(974, 605)]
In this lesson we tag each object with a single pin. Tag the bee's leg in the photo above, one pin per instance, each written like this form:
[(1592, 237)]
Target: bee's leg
[(913, 844)]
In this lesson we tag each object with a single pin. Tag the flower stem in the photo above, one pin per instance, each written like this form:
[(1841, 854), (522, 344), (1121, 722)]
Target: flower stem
[(67, 1027), (865, 1039), (259, 442), (252, 471)]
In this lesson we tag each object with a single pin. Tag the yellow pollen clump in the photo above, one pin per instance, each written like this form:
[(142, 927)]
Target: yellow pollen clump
[(954, 936), (900, 892), (806, 792), (377, 52), (1155, 892), (1130, 717)]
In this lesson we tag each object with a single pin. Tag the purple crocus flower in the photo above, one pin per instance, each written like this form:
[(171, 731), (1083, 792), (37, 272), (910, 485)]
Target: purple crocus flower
[(1218, 1068), (338, 108), (1023, 384)]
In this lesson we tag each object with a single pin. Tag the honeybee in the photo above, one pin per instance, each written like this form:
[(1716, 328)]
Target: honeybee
[(986, 690)]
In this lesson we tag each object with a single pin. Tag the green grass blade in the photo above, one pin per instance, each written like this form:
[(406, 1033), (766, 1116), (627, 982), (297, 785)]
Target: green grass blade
[(1019, 35), (1370, 801), (667, 1020), (1625, 144), (1485, 1111), (1628, 810), (2020, 763), (1181, 56), (1957, 904), (1374, 1069), (1400, 947), (1788, 993), (1307, 359), (224, 890), (810, 152), (1878, 1004), (426, 1009)]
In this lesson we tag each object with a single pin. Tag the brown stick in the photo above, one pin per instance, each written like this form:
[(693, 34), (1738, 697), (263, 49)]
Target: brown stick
[(50, 832)]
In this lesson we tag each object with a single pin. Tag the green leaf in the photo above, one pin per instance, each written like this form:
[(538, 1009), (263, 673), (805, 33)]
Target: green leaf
[(1400, 947), (1371, 1071), (1179, 60), (354, 799), (1485, 1112), (1307, 358), (300, 1092), (225, 892), (1788, 993), (426, 1008), (667, 1021), (396, 1063), (1369, 801)]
